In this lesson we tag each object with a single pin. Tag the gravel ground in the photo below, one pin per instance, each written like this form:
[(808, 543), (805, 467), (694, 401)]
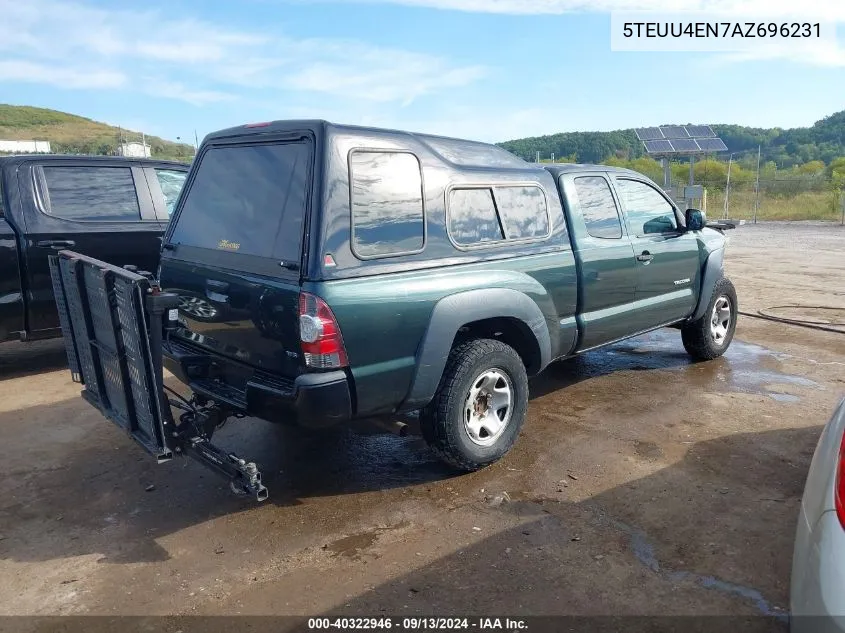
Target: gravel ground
[(642, 484)]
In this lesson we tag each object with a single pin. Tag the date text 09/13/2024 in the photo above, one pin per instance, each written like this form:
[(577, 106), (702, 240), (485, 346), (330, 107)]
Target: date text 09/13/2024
[(417, 624)]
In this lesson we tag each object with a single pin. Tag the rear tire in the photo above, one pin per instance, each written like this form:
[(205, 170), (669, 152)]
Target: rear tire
[(711, 335), (479, 408)]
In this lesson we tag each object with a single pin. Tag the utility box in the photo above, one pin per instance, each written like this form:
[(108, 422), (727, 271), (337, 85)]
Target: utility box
[(693, 192)]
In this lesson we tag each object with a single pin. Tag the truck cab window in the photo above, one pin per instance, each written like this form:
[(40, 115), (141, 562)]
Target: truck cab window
[(598, 207), (90, 193), (647, 210)]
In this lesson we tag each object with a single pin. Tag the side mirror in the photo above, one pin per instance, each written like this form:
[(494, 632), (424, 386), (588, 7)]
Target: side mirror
[(696, 219)]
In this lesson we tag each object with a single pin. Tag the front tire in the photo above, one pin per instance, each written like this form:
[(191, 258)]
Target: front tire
[(711, 335), (478, 411)]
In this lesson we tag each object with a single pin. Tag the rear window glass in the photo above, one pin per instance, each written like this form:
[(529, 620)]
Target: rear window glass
[(90, 193), (598, 207), (387, 206), (472, 217), (523, 211), (248, 199), (171, 182)]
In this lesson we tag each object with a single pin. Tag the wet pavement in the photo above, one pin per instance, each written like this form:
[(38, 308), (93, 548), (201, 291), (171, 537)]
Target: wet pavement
[(642, 483)]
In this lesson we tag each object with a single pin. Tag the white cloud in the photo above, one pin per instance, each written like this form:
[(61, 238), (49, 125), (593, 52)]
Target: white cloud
[(822, 53), (350, 69), (829, 9), (200, 62), (59, 76), (167, 89)]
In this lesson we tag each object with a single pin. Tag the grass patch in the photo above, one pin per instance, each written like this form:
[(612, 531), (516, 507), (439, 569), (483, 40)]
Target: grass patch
[(809, 205), (71, 134)]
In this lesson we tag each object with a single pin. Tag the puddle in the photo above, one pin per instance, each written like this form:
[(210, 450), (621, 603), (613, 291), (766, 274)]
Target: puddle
[(784, 397), (352, 546), (648, 450), (745, 367), (643, 551)]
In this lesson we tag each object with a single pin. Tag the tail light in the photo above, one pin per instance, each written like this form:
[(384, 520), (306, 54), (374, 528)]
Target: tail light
[(322, 343), (839, 489)]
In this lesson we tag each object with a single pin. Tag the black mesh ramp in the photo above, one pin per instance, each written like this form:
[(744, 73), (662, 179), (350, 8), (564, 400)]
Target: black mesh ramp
[(105, 327), (64, 320)]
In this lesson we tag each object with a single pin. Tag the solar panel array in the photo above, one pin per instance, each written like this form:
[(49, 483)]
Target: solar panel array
[(649, 133), (701, 131), (712, 145), (661, 146), (680, 139), (674, 131), (685, 145)]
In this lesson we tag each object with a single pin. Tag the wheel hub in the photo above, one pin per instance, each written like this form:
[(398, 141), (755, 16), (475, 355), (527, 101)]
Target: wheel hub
[(488, 406), (720, 320)]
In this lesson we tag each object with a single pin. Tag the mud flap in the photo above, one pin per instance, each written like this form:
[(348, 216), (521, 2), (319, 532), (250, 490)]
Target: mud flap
[(113, 322)]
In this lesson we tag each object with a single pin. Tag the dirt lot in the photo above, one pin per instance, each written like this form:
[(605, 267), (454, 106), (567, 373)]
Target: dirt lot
[(641, 484)]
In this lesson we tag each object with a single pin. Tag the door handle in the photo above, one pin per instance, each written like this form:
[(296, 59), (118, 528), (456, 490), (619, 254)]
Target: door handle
[(55, 244), (645, 257)]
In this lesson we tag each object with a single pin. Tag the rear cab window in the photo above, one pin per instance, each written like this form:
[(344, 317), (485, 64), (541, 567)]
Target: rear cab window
[(248, 199), (386, 199), (88, 193)]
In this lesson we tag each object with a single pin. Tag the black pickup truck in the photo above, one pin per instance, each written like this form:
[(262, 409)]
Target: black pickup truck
[(111, 208)]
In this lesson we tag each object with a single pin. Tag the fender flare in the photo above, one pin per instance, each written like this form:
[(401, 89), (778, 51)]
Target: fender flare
[(713, 270), (454, 311)]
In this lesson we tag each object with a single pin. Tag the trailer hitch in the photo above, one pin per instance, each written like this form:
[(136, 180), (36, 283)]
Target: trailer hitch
[(193, 438)]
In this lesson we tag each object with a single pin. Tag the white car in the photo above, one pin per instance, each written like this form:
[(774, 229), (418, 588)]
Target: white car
[(817, 592)]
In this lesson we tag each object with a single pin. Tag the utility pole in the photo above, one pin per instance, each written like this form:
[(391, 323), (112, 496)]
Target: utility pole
[(842, 200), (757, 188), (553, 157), (538, 157), (196, 141), (728, 186)]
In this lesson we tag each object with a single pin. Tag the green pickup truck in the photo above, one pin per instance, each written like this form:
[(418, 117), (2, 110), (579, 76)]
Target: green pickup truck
[(316, 273)]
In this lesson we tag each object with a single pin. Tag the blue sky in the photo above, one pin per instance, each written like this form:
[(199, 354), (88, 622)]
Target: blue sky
[(485, 69)]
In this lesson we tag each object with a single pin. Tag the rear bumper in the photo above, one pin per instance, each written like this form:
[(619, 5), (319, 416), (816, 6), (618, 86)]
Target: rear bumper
[(817, 602), (322, 400), (317, 400)]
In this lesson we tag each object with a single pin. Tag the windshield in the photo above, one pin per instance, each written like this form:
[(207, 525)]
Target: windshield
[(248, 199)]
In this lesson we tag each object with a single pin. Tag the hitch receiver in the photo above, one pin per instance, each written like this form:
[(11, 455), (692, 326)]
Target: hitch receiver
[(193, 438)]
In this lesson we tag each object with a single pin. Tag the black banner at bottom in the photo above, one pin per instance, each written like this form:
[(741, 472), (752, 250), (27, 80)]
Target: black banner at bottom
[(405, 623)]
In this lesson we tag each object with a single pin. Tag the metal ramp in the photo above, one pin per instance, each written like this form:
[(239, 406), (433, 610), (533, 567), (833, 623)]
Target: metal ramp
[(114, 321)]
